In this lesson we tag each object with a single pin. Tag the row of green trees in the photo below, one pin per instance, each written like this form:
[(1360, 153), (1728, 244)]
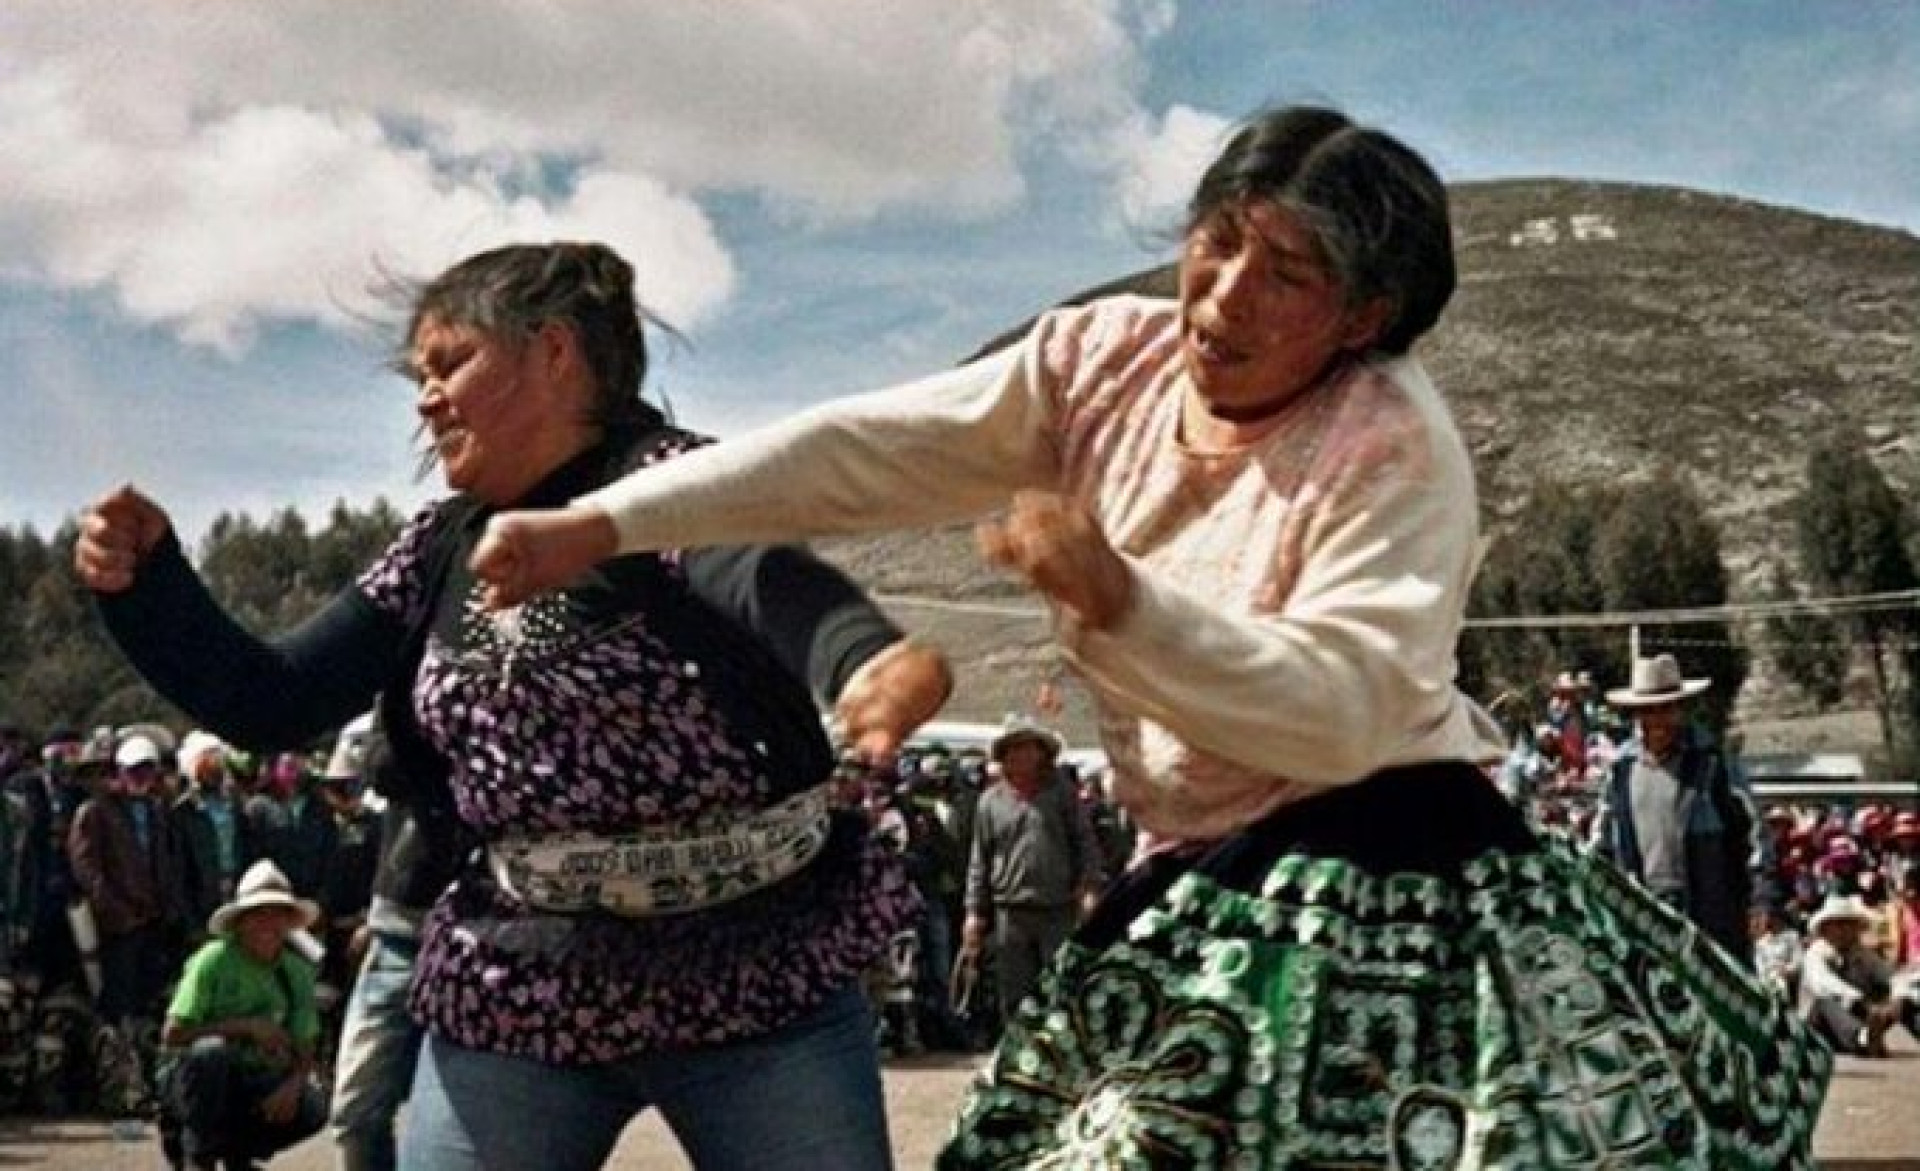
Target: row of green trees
[(1651, 545), (57, 666), (1571, 550)]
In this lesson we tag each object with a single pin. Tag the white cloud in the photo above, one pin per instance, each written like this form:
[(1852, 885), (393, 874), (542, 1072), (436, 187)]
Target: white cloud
[(277, 212), (215, 167), (1164, 163)]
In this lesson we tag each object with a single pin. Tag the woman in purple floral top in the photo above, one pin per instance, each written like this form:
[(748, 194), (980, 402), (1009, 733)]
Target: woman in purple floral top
[(653, 906)]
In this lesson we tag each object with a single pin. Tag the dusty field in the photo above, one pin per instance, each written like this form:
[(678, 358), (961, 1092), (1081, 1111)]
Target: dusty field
[(1871, 1123)]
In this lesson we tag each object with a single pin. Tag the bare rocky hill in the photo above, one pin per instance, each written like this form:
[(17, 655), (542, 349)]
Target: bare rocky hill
[(1601, 331)]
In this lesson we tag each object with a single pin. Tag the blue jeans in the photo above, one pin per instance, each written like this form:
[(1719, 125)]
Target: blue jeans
[(379, 1045), (802, 1098)]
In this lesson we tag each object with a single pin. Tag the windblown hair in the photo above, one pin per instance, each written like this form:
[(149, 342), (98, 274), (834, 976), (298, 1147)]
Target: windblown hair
[(511, 292), (1375, 209)]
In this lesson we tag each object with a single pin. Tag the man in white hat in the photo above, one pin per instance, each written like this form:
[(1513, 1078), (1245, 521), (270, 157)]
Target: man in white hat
[(211, 828), (236, 1081), (1033, 866), (1846, 986), (1676, 814), (126, 864)]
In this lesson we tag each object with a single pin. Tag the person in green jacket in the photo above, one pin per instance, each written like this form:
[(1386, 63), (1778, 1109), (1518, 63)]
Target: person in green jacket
[(236, 1082)]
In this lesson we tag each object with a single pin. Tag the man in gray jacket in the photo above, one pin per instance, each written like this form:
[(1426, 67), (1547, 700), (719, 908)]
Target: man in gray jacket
[(1033, 867)]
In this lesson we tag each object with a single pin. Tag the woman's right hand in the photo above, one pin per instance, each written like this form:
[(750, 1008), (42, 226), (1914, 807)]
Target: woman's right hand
[(116, 535)]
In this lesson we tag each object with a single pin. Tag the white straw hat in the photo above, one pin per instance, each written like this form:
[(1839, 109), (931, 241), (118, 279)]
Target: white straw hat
[(1656, 681), (263, 885)]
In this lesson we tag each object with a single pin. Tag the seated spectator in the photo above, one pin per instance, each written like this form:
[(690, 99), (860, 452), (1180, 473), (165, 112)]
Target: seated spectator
[(1904, 943), (240, 1033), (1777, 950), (1903, 919), (1845, 986)]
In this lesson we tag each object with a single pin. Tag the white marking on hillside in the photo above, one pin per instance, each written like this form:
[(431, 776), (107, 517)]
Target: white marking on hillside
[(1582, 228)]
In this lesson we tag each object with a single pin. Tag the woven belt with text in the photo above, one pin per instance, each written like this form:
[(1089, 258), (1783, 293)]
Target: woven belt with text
[(662, 872)]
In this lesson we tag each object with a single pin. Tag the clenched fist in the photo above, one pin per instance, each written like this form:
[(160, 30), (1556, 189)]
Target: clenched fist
[(889, 696), (117, 533), (1056, 545), (523, 553)]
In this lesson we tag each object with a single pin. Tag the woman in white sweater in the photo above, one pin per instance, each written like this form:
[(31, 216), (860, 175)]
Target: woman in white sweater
[(1255, 523)]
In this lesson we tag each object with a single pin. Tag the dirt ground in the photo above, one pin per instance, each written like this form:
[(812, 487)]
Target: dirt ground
[(1871, 1123)]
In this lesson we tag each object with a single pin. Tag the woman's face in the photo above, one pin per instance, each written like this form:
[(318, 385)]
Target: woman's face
[(487, 409), (1261, 317)]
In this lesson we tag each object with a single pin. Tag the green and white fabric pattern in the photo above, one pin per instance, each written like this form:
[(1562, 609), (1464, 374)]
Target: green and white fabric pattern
[(1539, 1011)]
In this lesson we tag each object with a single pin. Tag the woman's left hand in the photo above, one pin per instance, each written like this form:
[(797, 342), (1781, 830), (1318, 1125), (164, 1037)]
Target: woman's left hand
[(1056, 545), (889, 696)]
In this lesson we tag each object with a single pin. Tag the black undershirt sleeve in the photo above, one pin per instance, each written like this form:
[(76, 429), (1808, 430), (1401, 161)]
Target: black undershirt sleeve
[(257, 693), (818, 623)]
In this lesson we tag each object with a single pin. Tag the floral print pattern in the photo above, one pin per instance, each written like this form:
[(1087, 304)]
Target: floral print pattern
[(559, 720)]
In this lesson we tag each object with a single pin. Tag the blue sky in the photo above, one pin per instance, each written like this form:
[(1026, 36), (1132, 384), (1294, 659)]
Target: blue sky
[(823, 196)]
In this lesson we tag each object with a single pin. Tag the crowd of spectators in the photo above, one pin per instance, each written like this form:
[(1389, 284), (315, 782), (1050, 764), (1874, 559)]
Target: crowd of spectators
[(936, 993), (151, 837), (84, 993), (117, 849), (1834, 887)]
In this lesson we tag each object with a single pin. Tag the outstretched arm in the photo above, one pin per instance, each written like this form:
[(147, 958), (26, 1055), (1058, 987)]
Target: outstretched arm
[(255, 692), (947, 448)]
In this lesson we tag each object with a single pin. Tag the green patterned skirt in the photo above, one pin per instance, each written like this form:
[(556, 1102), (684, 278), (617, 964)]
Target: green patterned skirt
[(1297, 999)]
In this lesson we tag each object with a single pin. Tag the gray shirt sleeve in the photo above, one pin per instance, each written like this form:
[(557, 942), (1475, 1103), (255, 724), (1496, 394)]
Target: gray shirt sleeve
[(979, 859)]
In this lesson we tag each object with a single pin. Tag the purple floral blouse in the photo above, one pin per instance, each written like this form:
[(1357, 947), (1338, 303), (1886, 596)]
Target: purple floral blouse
[(611, 732)]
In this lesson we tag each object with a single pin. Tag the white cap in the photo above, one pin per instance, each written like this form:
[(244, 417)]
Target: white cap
[(136, 750), (196, 746), (349, 757)]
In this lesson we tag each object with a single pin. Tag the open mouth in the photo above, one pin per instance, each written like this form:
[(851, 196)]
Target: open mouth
[(1213, 349)]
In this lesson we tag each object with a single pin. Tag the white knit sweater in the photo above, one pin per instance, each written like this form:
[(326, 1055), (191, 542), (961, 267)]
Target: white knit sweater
[(1297, 599)]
